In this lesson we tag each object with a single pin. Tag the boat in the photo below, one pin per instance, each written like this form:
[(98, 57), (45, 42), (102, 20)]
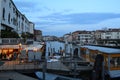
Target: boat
[(49, 76), (111, 58)]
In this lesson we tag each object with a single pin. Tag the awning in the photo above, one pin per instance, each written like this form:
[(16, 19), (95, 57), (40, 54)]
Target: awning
[(32, 47)]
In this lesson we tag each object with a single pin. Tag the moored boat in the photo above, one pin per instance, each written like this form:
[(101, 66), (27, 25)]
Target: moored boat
[(111, 58)]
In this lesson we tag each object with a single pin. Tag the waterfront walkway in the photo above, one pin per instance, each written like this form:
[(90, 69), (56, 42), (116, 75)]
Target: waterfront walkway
[(16, 65), (59, 67), (11, 75)]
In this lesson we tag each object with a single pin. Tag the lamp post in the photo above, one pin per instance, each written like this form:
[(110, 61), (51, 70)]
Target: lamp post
[(19, 51), (20, 46)]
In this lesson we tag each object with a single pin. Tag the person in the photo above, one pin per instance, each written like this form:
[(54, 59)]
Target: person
[(14, 55), (0, 56), (4, 56)]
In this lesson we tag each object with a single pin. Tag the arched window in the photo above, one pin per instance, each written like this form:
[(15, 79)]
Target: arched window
[(3, 15), (9, 18)]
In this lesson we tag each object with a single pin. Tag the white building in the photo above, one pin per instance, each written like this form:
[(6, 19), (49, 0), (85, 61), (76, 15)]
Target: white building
[(108, 37), (85, 37), (111, 34), (12, 19), (68, 38)]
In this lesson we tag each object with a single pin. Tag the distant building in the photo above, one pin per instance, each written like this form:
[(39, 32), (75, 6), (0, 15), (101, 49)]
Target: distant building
[(50, 38), (75, 36), (111, 34), (85, 37), (97, 36), (38, 35), (111, 37), (68, 38)]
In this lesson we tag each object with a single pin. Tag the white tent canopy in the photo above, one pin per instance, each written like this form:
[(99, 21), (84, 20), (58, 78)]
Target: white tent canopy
[(34, 47)]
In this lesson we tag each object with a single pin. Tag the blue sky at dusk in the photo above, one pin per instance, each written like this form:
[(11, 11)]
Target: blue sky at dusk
[(58, 17)]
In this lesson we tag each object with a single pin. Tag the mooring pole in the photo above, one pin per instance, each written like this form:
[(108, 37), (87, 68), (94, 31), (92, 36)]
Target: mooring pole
[(44, 68)]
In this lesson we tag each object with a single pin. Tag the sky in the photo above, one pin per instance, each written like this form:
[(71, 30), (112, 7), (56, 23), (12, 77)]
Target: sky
[(58, 17)]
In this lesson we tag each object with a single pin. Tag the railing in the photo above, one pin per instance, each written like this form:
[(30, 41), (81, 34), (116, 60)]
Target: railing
[(17, 65), (12, 41)]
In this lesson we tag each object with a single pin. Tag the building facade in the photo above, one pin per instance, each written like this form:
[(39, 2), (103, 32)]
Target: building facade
[(111, 34), (107, 37), (111, 37), (85, 37), (12, 19)]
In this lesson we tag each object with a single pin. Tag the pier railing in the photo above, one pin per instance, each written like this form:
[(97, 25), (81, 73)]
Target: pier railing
[(17, 65)]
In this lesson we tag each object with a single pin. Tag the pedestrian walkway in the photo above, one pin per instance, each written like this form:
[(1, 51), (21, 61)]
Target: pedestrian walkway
[(11, 75), (15, 65), (57, 66)]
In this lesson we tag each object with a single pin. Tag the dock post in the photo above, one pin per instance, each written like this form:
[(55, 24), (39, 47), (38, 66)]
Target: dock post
[(98, 69), (44, 68), (75, 72)]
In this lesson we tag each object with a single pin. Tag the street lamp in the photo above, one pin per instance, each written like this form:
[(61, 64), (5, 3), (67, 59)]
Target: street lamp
[(19, 51), (20, 46)]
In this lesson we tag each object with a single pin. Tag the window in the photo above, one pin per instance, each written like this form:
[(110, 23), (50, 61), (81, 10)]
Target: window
[(92, 55), (13, 10), (9, 18), (10, 5), (117, 37), (115, 61), (4, 0), (3, 15), (108, 33), (108, 37), (78, 37)]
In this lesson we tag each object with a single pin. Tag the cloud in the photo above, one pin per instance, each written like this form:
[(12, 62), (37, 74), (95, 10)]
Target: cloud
[(91, 18), (77, 18), (59, 24), (25, 5), (30, 6)]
